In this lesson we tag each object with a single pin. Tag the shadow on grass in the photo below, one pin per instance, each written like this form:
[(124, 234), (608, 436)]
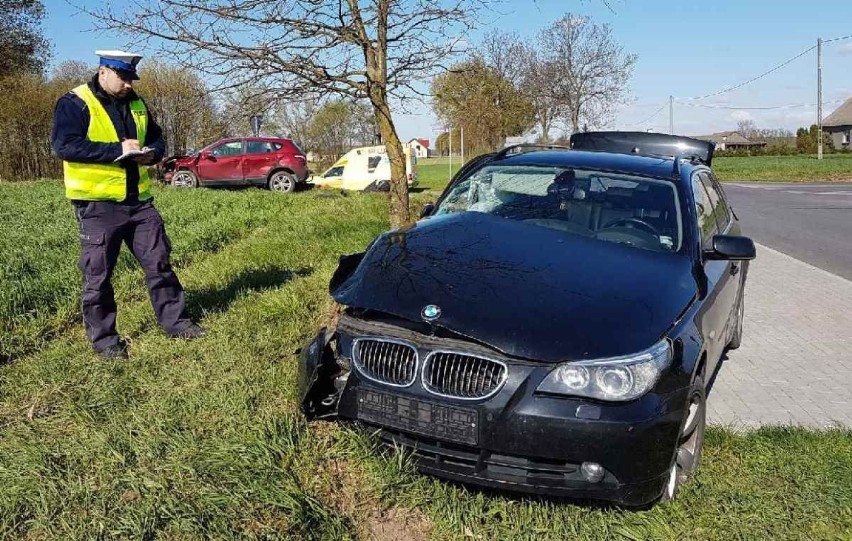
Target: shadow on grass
[(219, 299)]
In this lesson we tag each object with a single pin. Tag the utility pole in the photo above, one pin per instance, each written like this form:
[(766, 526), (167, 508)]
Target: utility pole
[(819, 98), (462, 145), (671, 115), (450, 152)]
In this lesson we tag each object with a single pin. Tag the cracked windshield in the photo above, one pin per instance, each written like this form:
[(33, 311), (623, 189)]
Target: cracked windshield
[(625, 209)]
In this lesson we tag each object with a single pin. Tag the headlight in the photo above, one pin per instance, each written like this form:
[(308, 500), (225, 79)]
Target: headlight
[(615, 378)]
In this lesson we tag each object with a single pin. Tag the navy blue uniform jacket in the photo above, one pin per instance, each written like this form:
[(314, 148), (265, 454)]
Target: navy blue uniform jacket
[(71, 122)]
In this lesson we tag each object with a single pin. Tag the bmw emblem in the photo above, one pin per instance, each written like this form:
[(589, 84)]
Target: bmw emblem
[(430, 312)]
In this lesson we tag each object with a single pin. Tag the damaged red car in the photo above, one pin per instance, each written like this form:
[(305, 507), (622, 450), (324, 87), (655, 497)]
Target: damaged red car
[(277, 164)]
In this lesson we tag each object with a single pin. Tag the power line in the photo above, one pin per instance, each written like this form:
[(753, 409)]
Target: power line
[(748, 108), (836, 39), (663, 106), (753, 79), (686, 101)]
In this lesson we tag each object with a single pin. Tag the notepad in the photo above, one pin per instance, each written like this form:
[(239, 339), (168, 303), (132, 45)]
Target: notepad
[(133, 153)]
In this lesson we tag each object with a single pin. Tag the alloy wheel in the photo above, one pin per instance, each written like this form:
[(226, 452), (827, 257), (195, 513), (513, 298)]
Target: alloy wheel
[(282, 182), (691, 438), (183, 179)]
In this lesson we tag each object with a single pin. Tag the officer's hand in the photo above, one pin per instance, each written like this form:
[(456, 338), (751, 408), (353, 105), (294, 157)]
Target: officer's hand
[(129, 144)]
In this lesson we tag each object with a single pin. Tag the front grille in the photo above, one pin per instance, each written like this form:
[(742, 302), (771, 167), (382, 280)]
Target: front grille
[(462, 376), (386, 361)]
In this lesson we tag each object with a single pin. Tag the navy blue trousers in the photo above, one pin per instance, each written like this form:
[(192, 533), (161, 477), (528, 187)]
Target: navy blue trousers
[(104, 226)]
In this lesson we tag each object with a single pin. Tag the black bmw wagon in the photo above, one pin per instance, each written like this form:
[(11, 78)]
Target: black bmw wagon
[(549, 325)]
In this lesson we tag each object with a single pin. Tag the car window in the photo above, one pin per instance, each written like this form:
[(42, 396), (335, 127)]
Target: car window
[(725, 205), (717, 204), (703, 210), (372, 163), (259, 147), (627, 209), (234, 148), (334, 172)]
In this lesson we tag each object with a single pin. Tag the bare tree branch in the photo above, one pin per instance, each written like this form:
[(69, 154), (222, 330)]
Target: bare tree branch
[(373, 50)]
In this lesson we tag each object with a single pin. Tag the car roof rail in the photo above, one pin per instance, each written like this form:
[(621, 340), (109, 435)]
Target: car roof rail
[(526, 147), (691, 156)]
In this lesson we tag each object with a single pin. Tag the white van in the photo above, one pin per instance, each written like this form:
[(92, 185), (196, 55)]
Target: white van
[(365, 168)]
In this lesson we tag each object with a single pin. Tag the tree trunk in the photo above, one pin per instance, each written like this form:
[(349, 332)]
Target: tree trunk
[(575, 120), (399, 212), (375, 56), (544, 123)]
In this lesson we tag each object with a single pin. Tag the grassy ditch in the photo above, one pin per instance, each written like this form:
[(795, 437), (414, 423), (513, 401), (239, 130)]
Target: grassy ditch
[(203, 439)]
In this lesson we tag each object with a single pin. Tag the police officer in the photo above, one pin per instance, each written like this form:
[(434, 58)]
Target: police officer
[(94, 126)]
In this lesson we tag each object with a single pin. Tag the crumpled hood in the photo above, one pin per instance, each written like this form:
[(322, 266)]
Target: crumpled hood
[(526, 290)]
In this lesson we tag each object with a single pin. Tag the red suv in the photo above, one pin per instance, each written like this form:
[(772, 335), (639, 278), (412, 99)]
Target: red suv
[(275, 163)]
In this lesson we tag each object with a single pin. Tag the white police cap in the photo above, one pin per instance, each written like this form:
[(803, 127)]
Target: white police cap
[(120, 60)]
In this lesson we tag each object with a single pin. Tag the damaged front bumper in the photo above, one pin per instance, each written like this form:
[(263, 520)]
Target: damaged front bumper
[(517, 439)]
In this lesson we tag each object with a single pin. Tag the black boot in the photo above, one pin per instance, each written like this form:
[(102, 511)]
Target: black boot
[(116, 352), (190, 333)]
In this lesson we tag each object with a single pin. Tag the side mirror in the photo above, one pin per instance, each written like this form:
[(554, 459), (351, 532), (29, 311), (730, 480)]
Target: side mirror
[(207, 155), (427, 209), (730, 247)]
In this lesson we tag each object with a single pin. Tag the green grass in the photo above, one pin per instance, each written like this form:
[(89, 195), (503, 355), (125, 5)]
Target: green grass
[(832, 167), (203, 439), (433, 172)]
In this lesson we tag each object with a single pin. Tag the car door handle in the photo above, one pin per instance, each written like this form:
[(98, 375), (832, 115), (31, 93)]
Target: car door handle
[(735, 269)]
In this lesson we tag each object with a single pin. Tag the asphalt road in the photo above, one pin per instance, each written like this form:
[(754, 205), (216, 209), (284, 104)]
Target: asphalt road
[(811, 222)]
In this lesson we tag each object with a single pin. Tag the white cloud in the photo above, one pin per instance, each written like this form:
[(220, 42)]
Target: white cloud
[(845, 49), (740, 115), (805, 117)]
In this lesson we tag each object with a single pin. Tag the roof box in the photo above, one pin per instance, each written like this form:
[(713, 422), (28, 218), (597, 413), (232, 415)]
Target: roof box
[(643, 144)]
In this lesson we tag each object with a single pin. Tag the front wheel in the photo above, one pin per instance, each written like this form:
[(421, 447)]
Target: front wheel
[(282, 181), (184, 179), (690, 441)]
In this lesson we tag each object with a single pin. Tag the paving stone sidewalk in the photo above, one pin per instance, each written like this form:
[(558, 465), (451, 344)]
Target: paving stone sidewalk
[(795, 363)]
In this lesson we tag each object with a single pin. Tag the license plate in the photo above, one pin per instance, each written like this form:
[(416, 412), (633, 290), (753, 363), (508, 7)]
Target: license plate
[(419, 416)]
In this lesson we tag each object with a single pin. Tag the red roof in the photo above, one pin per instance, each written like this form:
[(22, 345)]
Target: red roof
[(424, 142)]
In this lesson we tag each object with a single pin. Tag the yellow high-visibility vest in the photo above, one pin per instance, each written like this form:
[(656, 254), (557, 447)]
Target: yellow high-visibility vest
[(105, 181)]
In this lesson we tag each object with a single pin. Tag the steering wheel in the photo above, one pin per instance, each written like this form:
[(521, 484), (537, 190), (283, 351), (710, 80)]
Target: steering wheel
[(633, 223)]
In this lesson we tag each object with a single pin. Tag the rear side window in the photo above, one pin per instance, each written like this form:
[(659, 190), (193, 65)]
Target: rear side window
[(259, 147), (704, 211), (291, 145)]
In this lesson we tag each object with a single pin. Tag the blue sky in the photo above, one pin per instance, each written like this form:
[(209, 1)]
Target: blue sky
[(685, 49)]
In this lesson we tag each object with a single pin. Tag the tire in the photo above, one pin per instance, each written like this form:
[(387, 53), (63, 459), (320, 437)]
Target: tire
[(282, 181), (737, 336), (184, 179), (687, 454)]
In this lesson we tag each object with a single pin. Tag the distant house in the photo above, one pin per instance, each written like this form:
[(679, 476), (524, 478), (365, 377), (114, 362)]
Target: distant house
[(420, 147), (731, 140), (839, 125)]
